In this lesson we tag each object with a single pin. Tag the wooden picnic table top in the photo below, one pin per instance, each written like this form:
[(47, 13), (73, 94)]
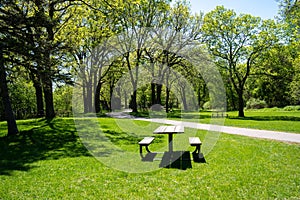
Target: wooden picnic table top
[(169, 130)]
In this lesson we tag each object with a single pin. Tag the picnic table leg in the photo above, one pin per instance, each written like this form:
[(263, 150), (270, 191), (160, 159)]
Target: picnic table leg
[(170, 142), (141, 150)]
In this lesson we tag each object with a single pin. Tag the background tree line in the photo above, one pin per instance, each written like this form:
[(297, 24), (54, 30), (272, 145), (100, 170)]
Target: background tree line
[(46, 45)]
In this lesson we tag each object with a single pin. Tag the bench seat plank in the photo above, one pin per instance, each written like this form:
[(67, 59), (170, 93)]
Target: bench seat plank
[(146, 141), (194, 141)]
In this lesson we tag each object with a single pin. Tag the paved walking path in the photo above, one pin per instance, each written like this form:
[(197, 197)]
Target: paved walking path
[(273, 135)]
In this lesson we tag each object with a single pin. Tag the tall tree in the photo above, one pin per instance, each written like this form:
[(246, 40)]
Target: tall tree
[(11, 41), (9, 115), (136, 19), (237, 40)]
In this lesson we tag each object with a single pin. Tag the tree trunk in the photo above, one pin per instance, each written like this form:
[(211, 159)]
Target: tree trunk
[(48, 95), (125, 99), (39, 100), (36, 79), (89, 96), (11, 122), (199, 96), (158, 93), (241, 104), (133, 102), (38, 95), (153, 100), (97, 98), (167, 99), (84, 96)]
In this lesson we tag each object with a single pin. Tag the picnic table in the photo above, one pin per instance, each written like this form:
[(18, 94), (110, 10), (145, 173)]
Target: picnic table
[(170, 130)]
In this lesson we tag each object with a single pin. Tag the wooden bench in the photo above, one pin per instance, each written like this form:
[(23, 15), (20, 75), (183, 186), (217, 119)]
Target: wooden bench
[(195, 141), (145, 142)]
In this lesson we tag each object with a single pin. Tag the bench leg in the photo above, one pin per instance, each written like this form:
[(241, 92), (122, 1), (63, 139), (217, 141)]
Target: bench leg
[(198, 155), (141, 150), (197, 150), (148, 149)]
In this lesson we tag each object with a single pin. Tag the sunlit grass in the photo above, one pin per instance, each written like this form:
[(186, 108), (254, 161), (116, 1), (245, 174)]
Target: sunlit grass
[(48, 161), (265, 119)]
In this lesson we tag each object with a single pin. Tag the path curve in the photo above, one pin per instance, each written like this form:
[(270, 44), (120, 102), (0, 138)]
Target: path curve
[(273, 135)]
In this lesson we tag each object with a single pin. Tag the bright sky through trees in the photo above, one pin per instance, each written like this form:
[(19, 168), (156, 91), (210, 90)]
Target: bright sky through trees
[(265, 9)]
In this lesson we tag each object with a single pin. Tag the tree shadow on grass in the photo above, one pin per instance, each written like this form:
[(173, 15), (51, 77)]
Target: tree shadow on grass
[(47, 140), (122, 137)]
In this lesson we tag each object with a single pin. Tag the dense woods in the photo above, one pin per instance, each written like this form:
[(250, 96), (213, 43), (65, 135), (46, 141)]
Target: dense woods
[(131, 54)]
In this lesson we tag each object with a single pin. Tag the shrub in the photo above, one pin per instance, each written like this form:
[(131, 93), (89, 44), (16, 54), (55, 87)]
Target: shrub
[(291, 108), (255, 104), (206, 105)]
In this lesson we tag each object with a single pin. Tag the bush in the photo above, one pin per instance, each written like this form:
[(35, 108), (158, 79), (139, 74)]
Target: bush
[(255, 104), (291, 108), (206, 105)]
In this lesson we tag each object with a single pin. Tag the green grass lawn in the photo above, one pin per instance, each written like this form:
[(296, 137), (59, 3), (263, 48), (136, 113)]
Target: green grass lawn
[(265, 119), (48, 161)]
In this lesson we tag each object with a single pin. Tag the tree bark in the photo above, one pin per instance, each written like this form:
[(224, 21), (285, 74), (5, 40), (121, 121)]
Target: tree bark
[(48, 95), (133, 102), (167, 99), (97, 98), (38, 94), (158, 93), (241, 104), (39, 100), (9, 115), (153, 99)]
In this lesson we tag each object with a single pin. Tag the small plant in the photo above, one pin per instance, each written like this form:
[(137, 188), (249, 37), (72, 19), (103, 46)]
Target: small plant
[(255, 104), (206, 105), (291, 108)]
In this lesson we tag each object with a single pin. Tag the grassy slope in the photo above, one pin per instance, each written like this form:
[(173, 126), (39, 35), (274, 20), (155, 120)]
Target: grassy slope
[(48, 161)]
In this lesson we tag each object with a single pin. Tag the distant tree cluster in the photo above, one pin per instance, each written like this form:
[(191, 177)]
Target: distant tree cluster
[(47, 48)]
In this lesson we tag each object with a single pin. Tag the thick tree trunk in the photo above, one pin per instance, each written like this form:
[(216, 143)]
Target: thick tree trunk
[(39, 97), (97, 98), (48, 95), (133, 102), (36, 79), (199, 97), (89, 96), (11, 122), (125, 99), (85, 100), (167, 99), (153, 99), (39, 100), (241, 104), (158, 93)]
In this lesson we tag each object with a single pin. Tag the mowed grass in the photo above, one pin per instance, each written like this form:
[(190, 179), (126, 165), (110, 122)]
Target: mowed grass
[(264, 119), (48, 161)]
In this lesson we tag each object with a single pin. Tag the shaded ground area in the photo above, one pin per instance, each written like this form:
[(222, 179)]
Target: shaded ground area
[(51, 140)]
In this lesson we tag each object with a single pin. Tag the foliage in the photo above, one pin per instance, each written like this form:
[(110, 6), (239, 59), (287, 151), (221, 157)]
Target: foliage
[(236, 42), (206, 105), (291, 108), (255, 104), (54, 40), (63, 100)]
